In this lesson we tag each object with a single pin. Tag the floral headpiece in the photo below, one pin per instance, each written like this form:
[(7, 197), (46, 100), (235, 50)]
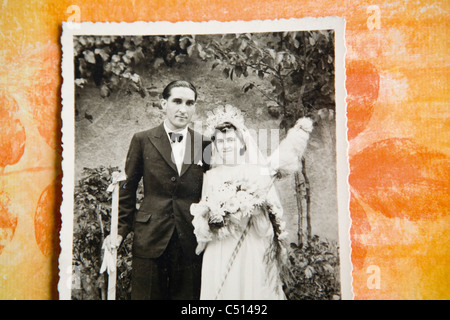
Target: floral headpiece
[(223, 114)]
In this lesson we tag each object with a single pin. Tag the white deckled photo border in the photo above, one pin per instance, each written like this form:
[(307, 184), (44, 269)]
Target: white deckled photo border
[(71, 29)]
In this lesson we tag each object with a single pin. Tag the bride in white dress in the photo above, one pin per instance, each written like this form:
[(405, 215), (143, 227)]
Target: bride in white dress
[(238, 222), (250, 276)]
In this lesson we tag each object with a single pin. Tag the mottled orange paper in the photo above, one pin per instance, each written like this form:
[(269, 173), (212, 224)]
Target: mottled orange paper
[(398, 129)]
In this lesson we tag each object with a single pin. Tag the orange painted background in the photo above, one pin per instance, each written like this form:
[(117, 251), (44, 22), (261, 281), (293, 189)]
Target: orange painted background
[(398, 129)]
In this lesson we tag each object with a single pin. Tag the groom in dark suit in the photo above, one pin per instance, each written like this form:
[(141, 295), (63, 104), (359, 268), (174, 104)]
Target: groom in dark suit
[(171, 160)]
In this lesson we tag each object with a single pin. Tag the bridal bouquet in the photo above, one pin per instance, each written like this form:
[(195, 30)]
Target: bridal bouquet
[(221, 215)]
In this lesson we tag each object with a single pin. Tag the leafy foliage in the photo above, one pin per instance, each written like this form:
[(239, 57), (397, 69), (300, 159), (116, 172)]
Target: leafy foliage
[(92, 219), (111, 61), (298, 65), (315, 271), (295, 69)]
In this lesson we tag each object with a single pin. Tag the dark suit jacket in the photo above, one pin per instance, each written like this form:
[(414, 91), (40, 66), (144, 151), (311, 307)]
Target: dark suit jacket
[(167, 194)]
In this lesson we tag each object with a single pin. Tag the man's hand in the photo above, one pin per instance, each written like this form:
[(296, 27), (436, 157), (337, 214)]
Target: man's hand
[(109, 261), (110, 245)]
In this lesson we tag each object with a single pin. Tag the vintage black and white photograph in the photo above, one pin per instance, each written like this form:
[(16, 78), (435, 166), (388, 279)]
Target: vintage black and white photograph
[(205, 161)]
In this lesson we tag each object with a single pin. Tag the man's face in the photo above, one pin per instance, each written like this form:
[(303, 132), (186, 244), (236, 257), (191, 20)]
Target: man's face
[(180, 107)]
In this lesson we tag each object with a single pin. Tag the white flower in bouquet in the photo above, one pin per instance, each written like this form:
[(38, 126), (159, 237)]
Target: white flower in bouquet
[(250, 188), (243, 201), (225, 192), (216, 217), (231, 206)]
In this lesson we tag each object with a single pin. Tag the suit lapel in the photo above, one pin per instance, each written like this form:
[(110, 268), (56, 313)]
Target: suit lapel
[(159, 139)]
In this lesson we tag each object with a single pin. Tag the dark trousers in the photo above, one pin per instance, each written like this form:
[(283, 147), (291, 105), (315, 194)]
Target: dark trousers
[(172, 276)]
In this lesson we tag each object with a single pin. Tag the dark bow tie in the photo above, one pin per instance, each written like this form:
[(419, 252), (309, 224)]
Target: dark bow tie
[(176, 137)]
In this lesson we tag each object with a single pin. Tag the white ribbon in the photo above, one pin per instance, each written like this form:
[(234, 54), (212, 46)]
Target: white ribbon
[(110, 254)]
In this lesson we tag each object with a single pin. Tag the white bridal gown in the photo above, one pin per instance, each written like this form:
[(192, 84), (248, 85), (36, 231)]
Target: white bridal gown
[(249, 276)]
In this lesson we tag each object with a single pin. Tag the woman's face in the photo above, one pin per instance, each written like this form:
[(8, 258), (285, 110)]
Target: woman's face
[(228, 146)]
